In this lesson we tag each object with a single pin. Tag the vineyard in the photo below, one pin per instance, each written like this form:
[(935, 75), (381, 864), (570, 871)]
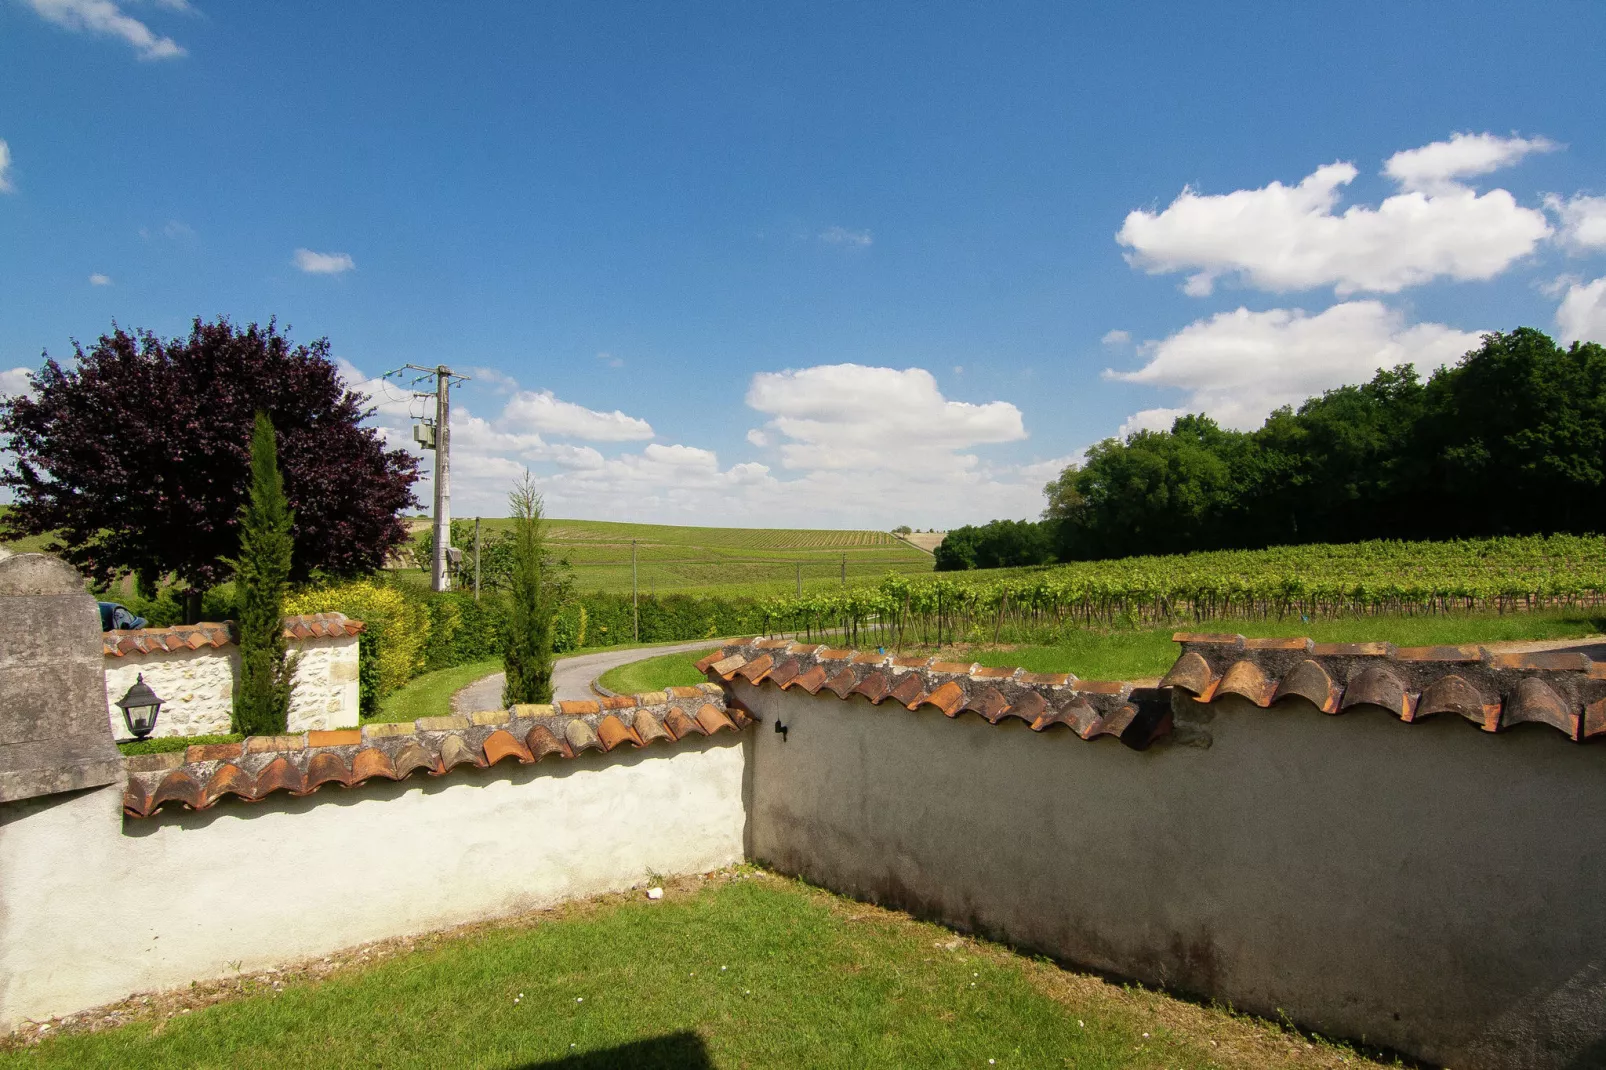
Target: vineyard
[(729, 562), (1298, 583)]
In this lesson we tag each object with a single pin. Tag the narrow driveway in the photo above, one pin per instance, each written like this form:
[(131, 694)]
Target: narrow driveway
[(571, 677)]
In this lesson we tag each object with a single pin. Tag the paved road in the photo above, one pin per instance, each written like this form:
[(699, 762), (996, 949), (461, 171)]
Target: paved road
[(571, 678)]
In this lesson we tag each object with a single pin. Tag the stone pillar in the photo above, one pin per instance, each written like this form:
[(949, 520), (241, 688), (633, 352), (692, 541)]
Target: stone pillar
[(53, 731)]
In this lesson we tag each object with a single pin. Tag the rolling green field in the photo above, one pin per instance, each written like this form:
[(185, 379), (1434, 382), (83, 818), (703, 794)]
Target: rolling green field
[(727, 561)]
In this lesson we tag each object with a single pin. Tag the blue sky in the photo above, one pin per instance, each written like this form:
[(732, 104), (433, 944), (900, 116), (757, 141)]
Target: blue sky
[(824, 265)]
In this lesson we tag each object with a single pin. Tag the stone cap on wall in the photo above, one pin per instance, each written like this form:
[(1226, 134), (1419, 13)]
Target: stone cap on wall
[(54, 736), (199, 777), (195, 636)]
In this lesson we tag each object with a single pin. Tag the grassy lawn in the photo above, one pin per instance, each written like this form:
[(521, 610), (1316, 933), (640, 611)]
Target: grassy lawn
[(655, 674), (430, 694), (743, 969), (1142, 653)]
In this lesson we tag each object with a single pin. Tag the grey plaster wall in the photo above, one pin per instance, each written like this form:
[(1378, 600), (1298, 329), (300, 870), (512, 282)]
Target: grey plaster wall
[(1426, 887)]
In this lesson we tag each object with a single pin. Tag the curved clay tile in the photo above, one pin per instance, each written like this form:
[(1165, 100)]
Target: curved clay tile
[(1312, 683), (842, 683), (413, 757), (811, 680), (279, 775), (681, 726), (177, 786), (1078, 715), (1028, 707), (754, 671), (874, 687), (501, 744), (1594, 722), (612, 732), (649, 728), (1118, 722), (1191, 673), (782, 674), (987, 702), (578, 707), (910, 689), (229, 779), (455, 751), (1452, 694), (542, 742), (580, 737), (1245, 680), (1536, 701), (949, 698), (372, 762), (136, 803), (326, 767), (712, 719), (1375, 686)]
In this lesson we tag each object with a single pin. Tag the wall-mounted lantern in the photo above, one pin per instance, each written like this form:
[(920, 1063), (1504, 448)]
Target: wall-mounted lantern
[(140, 707)]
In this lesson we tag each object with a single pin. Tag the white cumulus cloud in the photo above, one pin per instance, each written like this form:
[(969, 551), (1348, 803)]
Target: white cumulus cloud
[(541, 411), (1116, 338), (105, 17), (1238, 366), (1583, 221), (1281, 238), (845, 416), (1439, 166), (97, 279), (14, 381), (1582, 314), (5, 167), (323, 263)]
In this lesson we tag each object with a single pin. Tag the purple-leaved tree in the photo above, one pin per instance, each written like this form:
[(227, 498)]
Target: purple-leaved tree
[(137, 457)]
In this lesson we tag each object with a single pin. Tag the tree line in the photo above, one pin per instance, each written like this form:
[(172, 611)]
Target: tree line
[(1510, 440)]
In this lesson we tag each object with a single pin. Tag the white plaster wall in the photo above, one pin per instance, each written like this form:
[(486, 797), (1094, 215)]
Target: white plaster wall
[(93, 908), (197, 687)]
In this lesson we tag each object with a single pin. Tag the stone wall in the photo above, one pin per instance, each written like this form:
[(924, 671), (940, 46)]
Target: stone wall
[(193, 670)]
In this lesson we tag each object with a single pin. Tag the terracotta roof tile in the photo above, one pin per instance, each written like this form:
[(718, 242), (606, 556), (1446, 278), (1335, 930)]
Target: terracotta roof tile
[(502, 744), (811, 680), (949, 697), (580, 737), (262, 766), (578, 708), (783, 673), (909, 689), (874, 686), (755, 670), (117, 644), (542, 743), (612, 732), (683, 692), (843, 682)]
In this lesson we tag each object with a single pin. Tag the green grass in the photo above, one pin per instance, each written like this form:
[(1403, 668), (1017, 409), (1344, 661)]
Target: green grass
[(655, 674), (1141, 653), (754, 971), (729, 561), (430, 694), (168, 744)]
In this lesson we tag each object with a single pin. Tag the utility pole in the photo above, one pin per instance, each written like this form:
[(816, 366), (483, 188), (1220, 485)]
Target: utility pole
[(440, 579), (844, 570), (635, 594), (437, 436), (476, 559), (799, 579)]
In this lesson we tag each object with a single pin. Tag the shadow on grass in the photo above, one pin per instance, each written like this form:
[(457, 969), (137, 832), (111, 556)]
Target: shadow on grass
[(677, 1051)]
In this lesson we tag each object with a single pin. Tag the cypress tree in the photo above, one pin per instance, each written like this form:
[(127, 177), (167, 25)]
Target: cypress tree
[(261, 576), (527, 635)]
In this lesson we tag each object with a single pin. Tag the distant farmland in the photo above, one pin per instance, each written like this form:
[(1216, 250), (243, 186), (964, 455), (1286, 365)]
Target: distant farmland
[(688, 560)]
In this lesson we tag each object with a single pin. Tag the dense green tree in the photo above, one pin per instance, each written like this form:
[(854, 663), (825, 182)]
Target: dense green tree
[(261, 578), (999, 544), (531, 606), (1511, 439)]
